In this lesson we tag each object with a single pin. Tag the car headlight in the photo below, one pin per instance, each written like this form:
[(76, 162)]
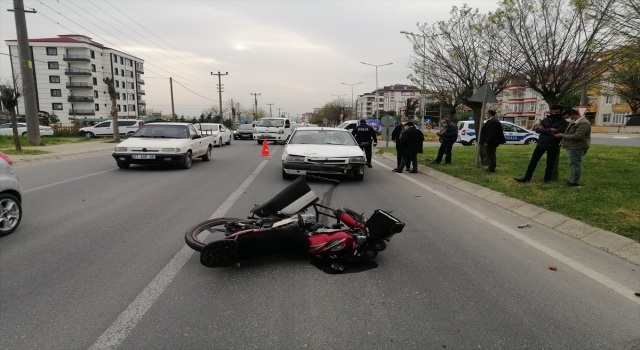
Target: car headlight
[(280, 131), (359, 159), (121, 149), (170, 150), (295, 159)]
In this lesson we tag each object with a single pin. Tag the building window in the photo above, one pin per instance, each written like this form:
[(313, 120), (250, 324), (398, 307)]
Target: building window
[(56, 106), (132, 96), (95, 81), (619, 118), (131, 86), (131, 73), (53, 65), (124, 108), (122, 72), (52, 51), (132, 108), (117, 95), (93, 67), (56, 93), (95, 94), (93, 54), (606, 118), (124, 97), (121, 60), (119, 108), (54, 78), (130, 63), (97, 106), (115, 58), (609, 99), (116, 70), (117, 83)]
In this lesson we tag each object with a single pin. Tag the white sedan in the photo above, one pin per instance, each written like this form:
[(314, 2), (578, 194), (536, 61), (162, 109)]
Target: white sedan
[(220, 133), (322, 151), (7, 129)]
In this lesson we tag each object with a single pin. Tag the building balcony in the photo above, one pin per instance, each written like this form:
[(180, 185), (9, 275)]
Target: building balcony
[(76, 58), (139, 70), (77, 71), (79, 85), (141, 102), (141, 92), (140, 81), (75, 112), (142, 112), (80, 99)]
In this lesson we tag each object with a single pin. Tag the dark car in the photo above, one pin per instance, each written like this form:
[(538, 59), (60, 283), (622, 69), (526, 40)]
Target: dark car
[(244, 131), (634, 120)]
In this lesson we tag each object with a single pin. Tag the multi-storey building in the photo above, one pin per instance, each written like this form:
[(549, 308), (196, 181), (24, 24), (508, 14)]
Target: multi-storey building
[(609, 108), (520, 105), (390, 98), (69, 72)]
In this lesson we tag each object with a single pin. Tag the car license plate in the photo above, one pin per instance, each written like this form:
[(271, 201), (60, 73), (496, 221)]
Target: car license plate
[(143, 156)]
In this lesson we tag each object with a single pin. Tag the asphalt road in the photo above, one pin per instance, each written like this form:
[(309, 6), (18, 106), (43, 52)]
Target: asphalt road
[(99, 261)]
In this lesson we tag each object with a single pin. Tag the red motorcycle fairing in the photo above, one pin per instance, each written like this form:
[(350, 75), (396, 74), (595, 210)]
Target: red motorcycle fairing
[(331, 243)]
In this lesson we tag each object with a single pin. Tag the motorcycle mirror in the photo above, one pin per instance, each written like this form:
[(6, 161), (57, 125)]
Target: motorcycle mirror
[(397, 227)]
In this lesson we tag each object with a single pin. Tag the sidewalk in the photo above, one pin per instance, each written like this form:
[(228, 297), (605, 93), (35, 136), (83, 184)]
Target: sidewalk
[(610, 242), (64, 151)]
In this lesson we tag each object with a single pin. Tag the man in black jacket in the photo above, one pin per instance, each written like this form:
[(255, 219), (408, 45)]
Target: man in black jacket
[(396, 134), (365, 136), (491, 136), (547, 142), (410, 146), (448, 136)]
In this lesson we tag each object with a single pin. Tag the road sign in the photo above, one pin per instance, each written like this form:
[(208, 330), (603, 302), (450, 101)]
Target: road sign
[(387, 120), (428, 121), (582, 110), (470, 117), (484, 94)]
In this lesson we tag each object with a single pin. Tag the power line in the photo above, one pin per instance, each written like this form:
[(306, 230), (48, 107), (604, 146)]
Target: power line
[(193, 92)]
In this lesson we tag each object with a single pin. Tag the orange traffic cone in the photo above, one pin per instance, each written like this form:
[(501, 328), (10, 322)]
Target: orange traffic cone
[(265, 149)]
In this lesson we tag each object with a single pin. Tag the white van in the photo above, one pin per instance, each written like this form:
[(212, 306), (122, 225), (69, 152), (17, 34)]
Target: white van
[(272, 129)]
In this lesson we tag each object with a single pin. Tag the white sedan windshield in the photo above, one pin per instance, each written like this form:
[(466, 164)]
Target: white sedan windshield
[(322, 137)]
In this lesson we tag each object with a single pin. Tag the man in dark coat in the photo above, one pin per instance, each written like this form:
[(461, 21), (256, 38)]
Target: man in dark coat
[(395, 137), (410, 146), (491, 136), (547, 142), (365, 136), (448, 136)]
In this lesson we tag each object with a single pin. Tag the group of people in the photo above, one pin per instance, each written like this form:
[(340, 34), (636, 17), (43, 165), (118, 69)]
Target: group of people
[(408, 140)]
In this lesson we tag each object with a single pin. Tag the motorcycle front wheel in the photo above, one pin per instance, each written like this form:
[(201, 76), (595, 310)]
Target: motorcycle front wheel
[(217, 228)]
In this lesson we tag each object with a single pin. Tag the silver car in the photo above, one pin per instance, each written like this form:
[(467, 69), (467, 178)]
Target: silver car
[(10, 197)]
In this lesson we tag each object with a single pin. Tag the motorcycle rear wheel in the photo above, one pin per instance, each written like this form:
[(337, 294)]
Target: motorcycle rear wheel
[(217, 227)]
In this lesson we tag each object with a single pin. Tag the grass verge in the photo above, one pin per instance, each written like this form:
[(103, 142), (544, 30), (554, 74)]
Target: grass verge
[(609, 197), (30, 152), (7, 141)]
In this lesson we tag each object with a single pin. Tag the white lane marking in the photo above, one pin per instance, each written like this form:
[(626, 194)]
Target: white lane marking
[(598, 277), (129, 318), (620, 137), (66, 181)]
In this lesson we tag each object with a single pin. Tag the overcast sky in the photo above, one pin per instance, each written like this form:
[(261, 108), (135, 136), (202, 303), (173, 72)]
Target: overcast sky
[(295, 54)]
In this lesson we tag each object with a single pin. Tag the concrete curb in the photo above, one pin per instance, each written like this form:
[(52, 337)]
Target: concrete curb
[(610, 242), (46, 158)]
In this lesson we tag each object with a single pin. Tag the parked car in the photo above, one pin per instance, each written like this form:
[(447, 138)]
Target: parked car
[(322, 151), (125, 127), (515, 135), (244, 131), (219, 132), (352, 124), (10, 197), (7, 129), (164, 143)]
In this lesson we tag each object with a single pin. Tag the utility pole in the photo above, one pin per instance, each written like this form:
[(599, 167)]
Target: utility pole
[(352, 94), (220, 89), (270, 114), (255, 113), (279, 115), (28, 80), (173, 111)]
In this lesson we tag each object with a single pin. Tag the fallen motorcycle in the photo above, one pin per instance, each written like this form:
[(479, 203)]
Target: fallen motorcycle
[(283, 225)]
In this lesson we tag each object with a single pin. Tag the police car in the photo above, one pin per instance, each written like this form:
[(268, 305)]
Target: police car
[(514, 134)]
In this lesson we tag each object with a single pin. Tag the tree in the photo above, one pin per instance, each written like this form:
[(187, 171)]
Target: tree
[(624, 78), (564, 45), (331, 112), (412, 105), (111, 90), (54, 119), (9, 97)]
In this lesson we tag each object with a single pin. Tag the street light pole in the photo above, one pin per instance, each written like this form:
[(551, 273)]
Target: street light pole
[(377, 90), (351, 93)]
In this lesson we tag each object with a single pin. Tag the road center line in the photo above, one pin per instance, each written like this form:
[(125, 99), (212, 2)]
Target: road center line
[(129, 318), (598, 277), (66, 181)]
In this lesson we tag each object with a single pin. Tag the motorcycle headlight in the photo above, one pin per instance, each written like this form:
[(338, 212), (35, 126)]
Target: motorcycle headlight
[(121, 149), (170, 150), (359, 159), (295, 159)]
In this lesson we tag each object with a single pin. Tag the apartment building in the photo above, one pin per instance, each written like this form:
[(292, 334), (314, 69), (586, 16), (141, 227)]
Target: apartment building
[(69, 72), (390, 98), (520, 105), (609, 108)]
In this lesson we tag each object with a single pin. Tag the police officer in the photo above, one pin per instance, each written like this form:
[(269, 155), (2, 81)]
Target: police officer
[(365, 136)]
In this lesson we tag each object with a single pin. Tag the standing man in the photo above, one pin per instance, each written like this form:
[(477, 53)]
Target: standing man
[(365, 136), (491, 136), (448, 136), (547, 142), (410, 145), (395, 137), (576, 141)]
